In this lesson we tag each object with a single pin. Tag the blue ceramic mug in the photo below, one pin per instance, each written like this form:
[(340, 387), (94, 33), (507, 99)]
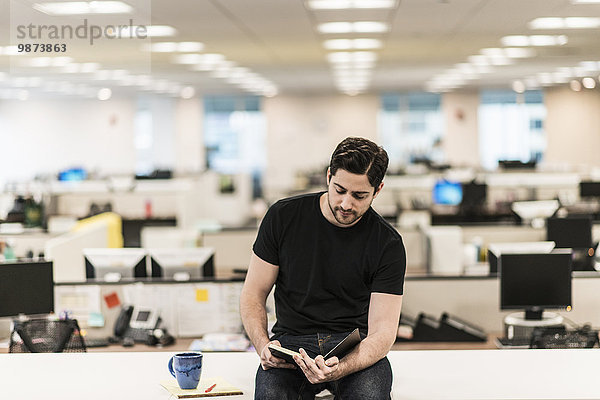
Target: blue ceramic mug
[(186, 367)]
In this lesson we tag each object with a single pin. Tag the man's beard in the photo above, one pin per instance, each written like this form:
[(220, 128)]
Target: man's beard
[(341, 219)]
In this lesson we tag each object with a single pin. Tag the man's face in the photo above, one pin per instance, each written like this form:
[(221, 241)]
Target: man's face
[(349, 196)]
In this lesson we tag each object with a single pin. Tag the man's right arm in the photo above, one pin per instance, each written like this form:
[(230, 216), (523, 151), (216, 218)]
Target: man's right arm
[(259, 281)]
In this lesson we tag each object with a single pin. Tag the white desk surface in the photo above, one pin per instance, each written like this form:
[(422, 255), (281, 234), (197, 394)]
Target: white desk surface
[(434, 374)]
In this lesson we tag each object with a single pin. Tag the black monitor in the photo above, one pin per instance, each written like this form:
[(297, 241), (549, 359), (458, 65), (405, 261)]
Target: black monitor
[(589, 189), (26, 288), (474, 194), (534, 282), (573, 232), (516, 164)]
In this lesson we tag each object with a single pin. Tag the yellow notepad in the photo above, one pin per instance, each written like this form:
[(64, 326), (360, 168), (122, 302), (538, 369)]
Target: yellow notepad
[(222, 388)]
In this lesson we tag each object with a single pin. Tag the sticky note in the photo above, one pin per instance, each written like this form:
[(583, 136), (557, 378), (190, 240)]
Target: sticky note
[(95, 319), (201, 295), (112, 300)]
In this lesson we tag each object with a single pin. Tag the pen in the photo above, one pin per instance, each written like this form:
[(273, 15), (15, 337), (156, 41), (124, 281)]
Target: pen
[(210, 388)]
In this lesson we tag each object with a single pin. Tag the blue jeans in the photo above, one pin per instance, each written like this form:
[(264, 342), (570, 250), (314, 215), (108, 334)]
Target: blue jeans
[(374, 382)]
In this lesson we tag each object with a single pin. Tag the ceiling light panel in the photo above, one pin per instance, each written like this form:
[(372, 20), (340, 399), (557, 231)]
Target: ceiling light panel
[(565, 23), (352, 57), (534, 40), (349, 4), (83, 7), (353, 27), (352, 44)]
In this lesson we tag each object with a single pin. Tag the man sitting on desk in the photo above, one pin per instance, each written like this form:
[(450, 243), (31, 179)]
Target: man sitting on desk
[(336, 265)]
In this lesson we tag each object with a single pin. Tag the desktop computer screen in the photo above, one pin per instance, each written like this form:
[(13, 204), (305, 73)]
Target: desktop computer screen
[(182, 263), (26, 288), (535, 282), (473, 194), (447, 193), (573, 232), (589, 189), (112, 264)]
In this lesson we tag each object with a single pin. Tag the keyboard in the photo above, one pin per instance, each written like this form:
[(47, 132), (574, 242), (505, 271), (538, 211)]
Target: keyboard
[(513, 343), (138, 335), (96, 342), (583, 339)]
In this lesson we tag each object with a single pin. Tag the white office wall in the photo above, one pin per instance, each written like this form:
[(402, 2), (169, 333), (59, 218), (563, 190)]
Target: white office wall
[(572, 127), (302, 131), (46, 136), (461, 140)]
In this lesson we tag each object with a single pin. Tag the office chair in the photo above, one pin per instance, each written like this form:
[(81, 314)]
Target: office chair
[(46, 336)]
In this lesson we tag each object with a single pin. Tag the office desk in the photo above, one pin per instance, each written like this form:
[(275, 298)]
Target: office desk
[(427, 375)]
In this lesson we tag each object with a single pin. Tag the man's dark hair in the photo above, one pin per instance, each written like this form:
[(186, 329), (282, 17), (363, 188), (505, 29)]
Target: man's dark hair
[(360, 156)]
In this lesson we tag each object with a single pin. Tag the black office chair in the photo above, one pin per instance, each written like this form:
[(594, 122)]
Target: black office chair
[(46, 336)]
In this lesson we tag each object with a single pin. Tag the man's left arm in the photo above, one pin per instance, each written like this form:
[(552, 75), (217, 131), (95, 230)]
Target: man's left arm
[(384, 315)]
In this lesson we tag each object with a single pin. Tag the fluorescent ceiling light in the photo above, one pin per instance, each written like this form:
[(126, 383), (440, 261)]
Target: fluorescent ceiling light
[(11, 51), (565, 23), (518, 86), (479, 60), (353, 27), (510, 52), (193, 59), (83, 7), (588, 83), (590, 65), (172, 47), (83, 68), (48, 61), (351, 57), (558, 77), (104, 94), (352, 44), (585, 1), (150, 31), (345, 4), (534, 40)]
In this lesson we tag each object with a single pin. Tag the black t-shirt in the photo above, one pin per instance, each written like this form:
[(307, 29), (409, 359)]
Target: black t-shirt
[(327, 273)]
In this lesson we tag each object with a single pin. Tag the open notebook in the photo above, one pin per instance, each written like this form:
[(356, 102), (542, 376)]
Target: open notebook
[(222, 388)]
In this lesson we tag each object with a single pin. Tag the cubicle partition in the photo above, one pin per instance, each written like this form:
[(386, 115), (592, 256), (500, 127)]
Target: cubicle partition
[(476, 299), (187, 309)]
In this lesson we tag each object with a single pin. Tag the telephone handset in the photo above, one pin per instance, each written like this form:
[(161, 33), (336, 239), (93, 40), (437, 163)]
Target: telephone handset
[(123, 321), (136, 323)]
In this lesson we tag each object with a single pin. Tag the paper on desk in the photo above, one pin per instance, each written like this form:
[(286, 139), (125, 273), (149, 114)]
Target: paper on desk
[(208, 307), (79, 301), (222, 388), (198, 309)]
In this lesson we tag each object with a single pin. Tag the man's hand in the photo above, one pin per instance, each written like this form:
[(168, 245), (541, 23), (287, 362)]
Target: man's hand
[(268, 360), (318, 370)]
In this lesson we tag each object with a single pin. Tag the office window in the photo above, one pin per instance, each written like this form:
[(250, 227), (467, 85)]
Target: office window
[(234, 135), (411, 127), (511, 127), (154, 134)]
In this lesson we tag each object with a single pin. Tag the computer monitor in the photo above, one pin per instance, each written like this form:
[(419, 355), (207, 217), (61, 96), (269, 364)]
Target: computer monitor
[(534, 282), (26, 288), (573, 232), (182, 263), (115, 263), (589, 189), (447, 192), (473, 194)]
